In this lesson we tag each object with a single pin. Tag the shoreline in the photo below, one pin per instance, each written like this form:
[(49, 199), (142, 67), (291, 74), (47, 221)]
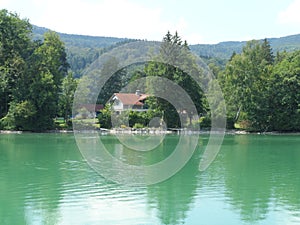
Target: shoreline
[(154, 132)]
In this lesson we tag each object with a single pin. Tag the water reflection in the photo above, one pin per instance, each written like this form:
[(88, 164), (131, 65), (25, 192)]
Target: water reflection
[(254, 179), (261, 172), (31, 178), (171, 199), (174, 197)]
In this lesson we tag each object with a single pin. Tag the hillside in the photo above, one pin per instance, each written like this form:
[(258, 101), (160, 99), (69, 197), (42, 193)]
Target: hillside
[(224, 50), (83, 49), (82, 41)]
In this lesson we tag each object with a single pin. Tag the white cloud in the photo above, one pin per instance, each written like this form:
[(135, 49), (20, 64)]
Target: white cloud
[(115, 18), (119, 18), (291, 14)]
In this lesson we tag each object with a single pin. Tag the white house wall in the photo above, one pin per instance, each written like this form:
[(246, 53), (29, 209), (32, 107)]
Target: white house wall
[(118, 105)]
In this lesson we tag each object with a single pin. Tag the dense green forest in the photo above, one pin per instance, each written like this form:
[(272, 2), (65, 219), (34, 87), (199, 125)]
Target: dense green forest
[(33, 76), (224, 50), (82, 50), (261, 90), (172, 51), (40, 69)]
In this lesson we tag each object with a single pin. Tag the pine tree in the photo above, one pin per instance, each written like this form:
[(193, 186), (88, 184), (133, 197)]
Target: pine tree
[(267, 53), (176, 56)]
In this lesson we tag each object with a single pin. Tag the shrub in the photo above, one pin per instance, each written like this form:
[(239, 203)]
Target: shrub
[(7, 123), (245, 124), (21, 116), (104, 117), (205, 122), (230, 123), (138, 126)]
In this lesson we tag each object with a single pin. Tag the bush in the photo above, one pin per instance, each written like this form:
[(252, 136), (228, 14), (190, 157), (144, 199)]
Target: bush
[(245, 124), (21, 116), (104, 117), (205, 122), (7, 123), (230, 123), (138, 126), (143, 118), (130, 118), (138, 118)]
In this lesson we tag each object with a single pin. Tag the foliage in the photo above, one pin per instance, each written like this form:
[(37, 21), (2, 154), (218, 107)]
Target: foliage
[(129, 117), (82, 50), (115, 81), (21, 116), (104, 117), (80, 58), (205, 122), (31, 75), (83, 41), (244, 83), (261, 91), (224, 50), (285, 94), (264, 89), (14, 48), (174, 52), (143, 118), (138, 126), (68, 88)]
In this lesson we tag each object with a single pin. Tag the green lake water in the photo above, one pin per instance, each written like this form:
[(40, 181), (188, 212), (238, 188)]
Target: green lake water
[(255, 179)]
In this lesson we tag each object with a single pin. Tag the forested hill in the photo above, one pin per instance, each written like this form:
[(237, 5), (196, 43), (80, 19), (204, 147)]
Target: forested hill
[(221, 50), (83, 41), (82, 50), (224, 50)]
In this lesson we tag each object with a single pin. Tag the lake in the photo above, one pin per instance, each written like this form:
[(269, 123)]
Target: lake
[(255, 179)]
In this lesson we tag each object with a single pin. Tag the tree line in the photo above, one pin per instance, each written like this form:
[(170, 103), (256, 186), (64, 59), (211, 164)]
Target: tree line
[(174, 55), (34, 80), (261, 89)]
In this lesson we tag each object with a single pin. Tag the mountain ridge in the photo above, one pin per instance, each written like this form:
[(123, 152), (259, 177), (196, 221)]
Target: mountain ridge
[(222, 49), (82, 50), (87, 41), (225, 49)]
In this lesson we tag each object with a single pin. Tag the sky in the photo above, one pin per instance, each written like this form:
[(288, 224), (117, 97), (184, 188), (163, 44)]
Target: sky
[(197, 21)]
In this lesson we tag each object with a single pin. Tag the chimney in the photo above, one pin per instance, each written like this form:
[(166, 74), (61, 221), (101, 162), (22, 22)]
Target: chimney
[(138, 92)]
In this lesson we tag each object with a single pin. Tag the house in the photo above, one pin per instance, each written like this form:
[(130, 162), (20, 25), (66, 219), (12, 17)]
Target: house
[(129, 101)]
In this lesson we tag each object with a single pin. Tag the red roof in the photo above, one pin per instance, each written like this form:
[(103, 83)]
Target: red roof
[(131, 98)]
